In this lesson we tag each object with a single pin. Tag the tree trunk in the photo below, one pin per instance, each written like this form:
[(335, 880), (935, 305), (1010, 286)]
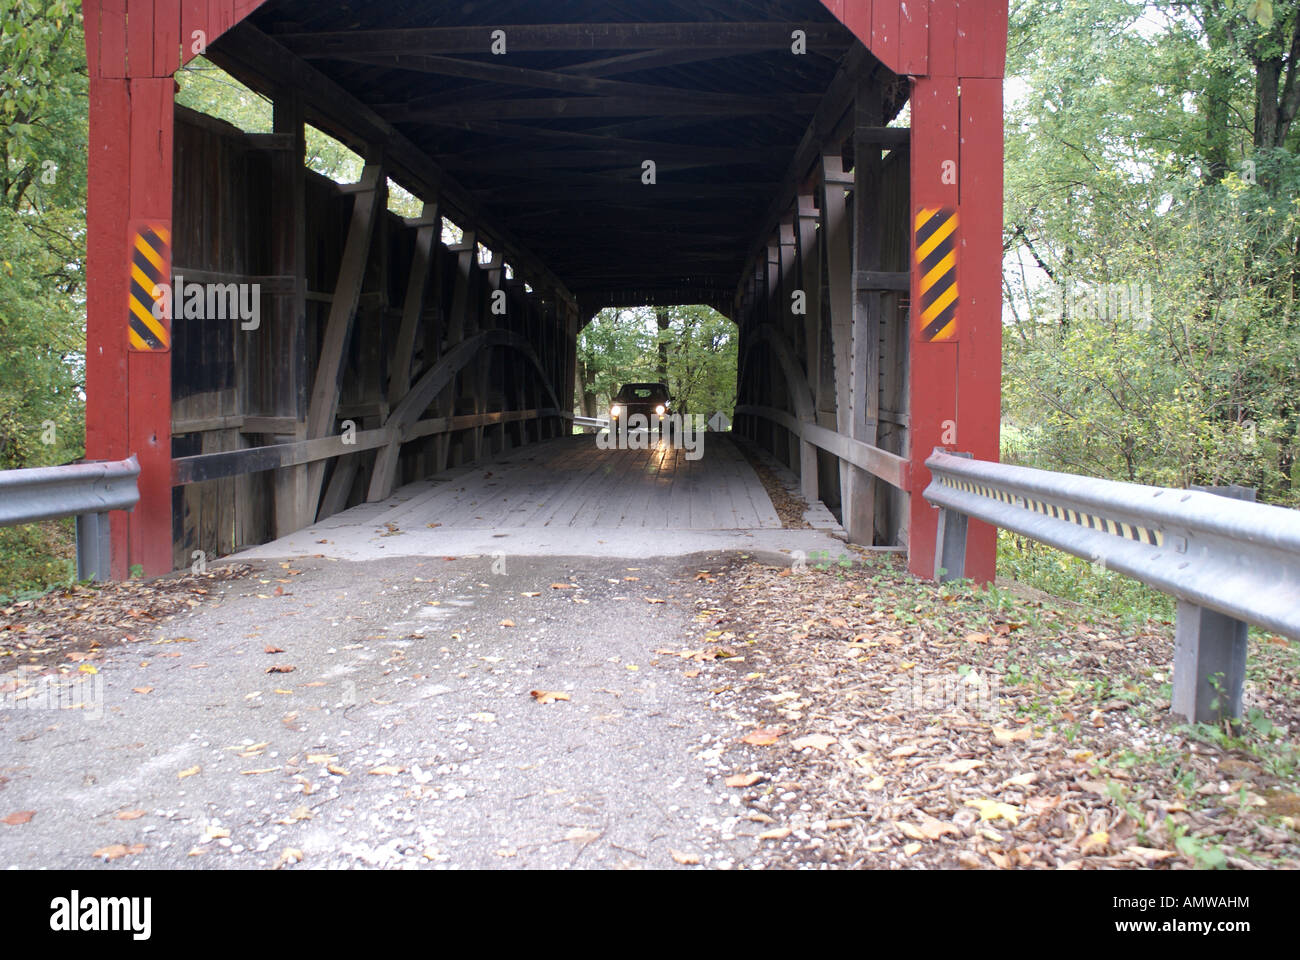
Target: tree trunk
[(663, 318)]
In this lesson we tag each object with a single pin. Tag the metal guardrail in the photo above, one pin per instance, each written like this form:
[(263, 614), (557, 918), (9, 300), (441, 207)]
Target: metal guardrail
[(1228, 562), (87, 491), (593, 423)]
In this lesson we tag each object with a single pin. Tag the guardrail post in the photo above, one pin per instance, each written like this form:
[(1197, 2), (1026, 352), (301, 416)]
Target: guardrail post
[(950, 543), (94, 547), (1209, 652)]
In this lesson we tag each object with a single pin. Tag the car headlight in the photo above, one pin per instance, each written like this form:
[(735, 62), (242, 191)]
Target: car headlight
[(661, 409), (616, 411)]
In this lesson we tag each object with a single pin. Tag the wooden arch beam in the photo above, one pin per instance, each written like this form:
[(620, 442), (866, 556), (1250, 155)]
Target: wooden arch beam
[(417, 400), (800, 393)]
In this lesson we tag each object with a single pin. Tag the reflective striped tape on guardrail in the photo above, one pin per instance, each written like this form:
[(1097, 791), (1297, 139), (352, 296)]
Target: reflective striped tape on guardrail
[(1237, 557)]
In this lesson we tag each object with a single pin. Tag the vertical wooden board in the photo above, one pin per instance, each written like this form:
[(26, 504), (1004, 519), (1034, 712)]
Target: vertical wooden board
[(112, 38), (107, 212), (884, 32), (139, 38), (90, 27), (980, 350), (149, 374), (222, 14), (194, 16), (914, 37), (943, 38), (972, 30), (857, 17), (933, 366), (995, 39), (166, 44)]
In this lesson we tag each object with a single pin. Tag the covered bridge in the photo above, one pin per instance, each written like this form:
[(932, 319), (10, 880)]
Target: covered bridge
[(826, 173)]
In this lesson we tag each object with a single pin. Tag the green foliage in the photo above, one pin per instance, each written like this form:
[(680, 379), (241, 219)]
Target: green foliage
[(208, 89), (35, 557), (699, 351), (42, 232), (1140, 166), (1070, 578)]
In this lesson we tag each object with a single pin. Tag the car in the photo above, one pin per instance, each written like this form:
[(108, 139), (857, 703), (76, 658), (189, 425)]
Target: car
[(650, 400)]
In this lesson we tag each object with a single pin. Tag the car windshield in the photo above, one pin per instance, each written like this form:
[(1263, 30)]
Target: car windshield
[(643, 392)]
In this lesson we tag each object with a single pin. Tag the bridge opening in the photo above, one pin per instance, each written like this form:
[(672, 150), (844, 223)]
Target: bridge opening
[(508, 171)]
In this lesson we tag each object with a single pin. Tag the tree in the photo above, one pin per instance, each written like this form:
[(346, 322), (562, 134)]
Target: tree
[(692, 348), (1151, 241), (42, 231)]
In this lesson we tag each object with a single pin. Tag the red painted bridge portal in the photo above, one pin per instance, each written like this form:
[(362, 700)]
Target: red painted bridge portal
[(827, 174)]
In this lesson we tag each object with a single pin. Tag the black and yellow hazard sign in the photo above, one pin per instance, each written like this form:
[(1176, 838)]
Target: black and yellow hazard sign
[(149, 310), (936, 262)]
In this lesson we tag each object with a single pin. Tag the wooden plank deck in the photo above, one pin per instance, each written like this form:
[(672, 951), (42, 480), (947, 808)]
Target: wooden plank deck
[(572, 483)]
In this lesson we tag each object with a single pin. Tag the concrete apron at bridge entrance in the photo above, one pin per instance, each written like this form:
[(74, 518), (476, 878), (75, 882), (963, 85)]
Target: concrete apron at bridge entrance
[(571, 498)]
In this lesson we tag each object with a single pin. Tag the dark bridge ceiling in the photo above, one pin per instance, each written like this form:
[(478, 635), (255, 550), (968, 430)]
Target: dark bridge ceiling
[(550, 140)]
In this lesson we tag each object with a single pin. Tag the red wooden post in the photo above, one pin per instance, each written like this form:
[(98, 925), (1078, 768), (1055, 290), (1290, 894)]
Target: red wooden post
[(955, 51), (149, 372), (107, 212), (132, 49), (979, 382), (936, 222)]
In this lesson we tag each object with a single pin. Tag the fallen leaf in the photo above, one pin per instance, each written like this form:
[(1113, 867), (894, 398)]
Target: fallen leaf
[(1096, 842), (763, 737), (564, 586), (743, 779), (901, 752), (22, 816), (117, 851), (911, 830), (130, 815), (933, 829), (817, 741), (508, 623), (273, 650), (977, 638), (1023, 780), (911, 849), (387, 771), (1147, 853), (685, 859), (1003, 735), (961, 766), (281, 669), (336, 770), (535, 594), (994, 810), (188, 773), (548, 696), (780, 833), (290, 855), (142, 689)]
